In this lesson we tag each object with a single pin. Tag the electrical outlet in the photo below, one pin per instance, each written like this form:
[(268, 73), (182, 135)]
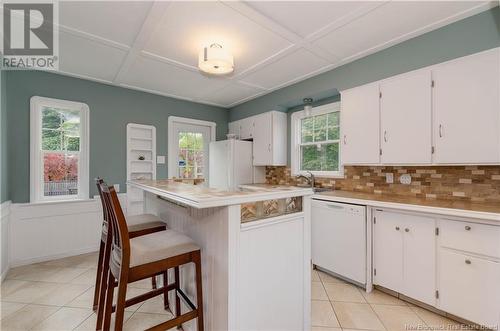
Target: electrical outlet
[(405, 179), (117, 187), (389, 177), (160, 159)]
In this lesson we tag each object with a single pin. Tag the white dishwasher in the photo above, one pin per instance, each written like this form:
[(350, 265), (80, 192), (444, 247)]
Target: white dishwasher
[(339, 239)]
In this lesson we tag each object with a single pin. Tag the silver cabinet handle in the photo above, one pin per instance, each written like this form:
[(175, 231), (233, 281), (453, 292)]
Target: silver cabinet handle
[(407, 230), (385, 135), (467, 261), (397, 228), (467, 228), (345, 139), (440, 131), (269, 147)]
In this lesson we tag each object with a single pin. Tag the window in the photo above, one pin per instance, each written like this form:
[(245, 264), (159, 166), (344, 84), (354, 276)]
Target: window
[(315, 139), (59, 150), (188, 142)]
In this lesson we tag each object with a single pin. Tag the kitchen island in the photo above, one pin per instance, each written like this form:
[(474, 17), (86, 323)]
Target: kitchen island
[(255, 245)]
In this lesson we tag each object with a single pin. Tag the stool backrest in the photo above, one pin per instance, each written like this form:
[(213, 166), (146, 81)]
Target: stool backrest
[(117, 224), (99, 181)]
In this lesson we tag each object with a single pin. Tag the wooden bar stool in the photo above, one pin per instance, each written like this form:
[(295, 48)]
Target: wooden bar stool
[(138, 225), (133, 259)]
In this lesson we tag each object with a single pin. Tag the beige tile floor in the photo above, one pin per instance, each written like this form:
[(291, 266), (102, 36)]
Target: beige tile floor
[(57, 295), (337, 305)]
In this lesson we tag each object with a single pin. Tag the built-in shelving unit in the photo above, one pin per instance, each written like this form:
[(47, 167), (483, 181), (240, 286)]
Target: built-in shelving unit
[(141, 162)]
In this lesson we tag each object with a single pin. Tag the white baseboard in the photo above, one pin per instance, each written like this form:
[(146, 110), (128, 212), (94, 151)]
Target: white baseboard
[(4, 238), (45, 231)]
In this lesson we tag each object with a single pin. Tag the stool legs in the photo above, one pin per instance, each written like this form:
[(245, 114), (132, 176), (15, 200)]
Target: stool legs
[(177, 286), (120, 302), (165, 293), (98, 276), (108, 308), (199, 294)]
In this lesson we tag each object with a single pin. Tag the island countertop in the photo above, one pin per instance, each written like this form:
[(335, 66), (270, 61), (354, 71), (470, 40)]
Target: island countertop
[(199, 196)]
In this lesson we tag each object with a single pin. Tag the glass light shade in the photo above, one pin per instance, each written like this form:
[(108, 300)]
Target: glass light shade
[(215, 60)]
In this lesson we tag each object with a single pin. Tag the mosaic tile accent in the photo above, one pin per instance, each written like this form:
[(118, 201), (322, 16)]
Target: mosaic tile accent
[(253, 211), (462, 183)]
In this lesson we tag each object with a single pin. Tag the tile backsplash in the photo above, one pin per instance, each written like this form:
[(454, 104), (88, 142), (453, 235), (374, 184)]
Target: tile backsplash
[(466, 183)]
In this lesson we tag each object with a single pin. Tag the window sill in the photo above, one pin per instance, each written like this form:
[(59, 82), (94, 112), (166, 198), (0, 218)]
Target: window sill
[(322, 174)]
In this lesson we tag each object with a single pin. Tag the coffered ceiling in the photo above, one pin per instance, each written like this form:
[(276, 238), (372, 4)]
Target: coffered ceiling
[(153, 46)]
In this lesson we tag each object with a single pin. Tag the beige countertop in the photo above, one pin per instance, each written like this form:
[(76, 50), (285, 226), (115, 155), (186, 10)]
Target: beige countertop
[(487, 211), (200, 196)]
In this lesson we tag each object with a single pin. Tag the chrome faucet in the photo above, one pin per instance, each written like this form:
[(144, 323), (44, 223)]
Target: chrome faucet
[(309, 179)]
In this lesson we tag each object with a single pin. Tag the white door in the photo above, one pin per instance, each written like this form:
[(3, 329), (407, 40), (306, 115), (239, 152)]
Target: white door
[(469, 287), (419, 260), (405, 117), (466, 100), (388, 250), (360, 125), (188, 149), (262, 139)]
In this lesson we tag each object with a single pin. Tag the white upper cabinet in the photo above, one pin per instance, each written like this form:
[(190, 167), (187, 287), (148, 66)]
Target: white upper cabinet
[(405, 117), (268, 131), (466, 100), (360, 125)]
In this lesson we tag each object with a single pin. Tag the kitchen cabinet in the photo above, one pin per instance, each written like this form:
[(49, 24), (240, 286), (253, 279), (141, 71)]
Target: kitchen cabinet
[(247, 127), (469, 267), (405, 118), (405, 255), (268, 131), (360, 125), (466, 97)]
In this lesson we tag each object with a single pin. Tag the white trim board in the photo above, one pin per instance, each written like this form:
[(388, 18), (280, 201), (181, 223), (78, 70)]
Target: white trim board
[(4, 238)]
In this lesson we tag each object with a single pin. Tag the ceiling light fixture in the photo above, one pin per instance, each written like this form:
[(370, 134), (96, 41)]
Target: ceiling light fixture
[(215, 60), (308, 106)]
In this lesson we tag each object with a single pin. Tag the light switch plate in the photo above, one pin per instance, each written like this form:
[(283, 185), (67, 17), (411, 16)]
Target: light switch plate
[(405, 179), (389, 177), (160, 159), (117, 187)]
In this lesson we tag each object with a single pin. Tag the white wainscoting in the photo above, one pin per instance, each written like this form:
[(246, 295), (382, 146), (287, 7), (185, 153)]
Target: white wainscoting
[(4, 238), (45, 231)]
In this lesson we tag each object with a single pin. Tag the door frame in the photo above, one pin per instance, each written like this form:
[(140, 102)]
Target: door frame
[(172, 120)]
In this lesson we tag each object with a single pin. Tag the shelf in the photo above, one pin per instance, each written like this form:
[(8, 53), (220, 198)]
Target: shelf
[(140, 138), (141, 161), (141, 150)]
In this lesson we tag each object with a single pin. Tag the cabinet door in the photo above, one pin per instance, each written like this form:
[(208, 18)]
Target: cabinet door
[(405, 117), (469, 287), (262, 140), (360, 125), (388, 250), (234, 128), (247, 126), (419, 258), (466, 100)]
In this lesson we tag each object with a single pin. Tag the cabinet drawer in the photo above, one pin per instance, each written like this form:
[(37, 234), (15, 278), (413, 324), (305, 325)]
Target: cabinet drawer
[(471, 237), (469, 287)]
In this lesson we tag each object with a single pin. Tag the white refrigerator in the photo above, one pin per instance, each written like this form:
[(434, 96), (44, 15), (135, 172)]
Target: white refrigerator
[(230, 164)]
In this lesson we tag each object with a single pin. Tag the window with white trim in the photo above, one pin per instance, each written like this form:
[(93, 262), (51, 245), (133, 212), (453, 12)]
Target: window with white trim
[(59, 150), (316, 141)]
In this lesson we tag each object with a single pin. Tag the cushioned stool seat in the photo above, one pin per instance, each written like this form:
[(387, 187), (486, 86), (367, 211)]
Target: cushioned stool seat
[(143, 222), (159, 246)]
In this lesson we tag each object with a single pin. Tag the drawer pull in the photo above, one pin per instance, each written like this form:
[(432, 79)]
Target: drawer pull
[(407, 230), (468, 261), (467, 228), (397, 228)]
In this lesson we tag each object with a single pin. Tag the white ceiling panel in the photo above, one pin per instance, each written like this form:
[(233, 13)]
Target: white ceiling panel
[(169, 79), (231, 94), (189, 26), (119, 21), (306, 17), (388, 22), (287, 69), (89, 58)]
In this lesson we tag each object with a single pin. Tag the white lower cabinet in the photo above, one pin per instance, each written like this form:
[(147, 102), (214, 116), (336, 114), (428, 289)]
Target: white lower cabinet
[(469, 271), (469, 287), (404, 254)]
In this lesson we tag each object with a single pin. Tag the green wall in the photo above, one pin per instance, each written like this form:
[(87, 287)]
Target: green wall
[(468, 36), (111, 108), (4, 166)]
